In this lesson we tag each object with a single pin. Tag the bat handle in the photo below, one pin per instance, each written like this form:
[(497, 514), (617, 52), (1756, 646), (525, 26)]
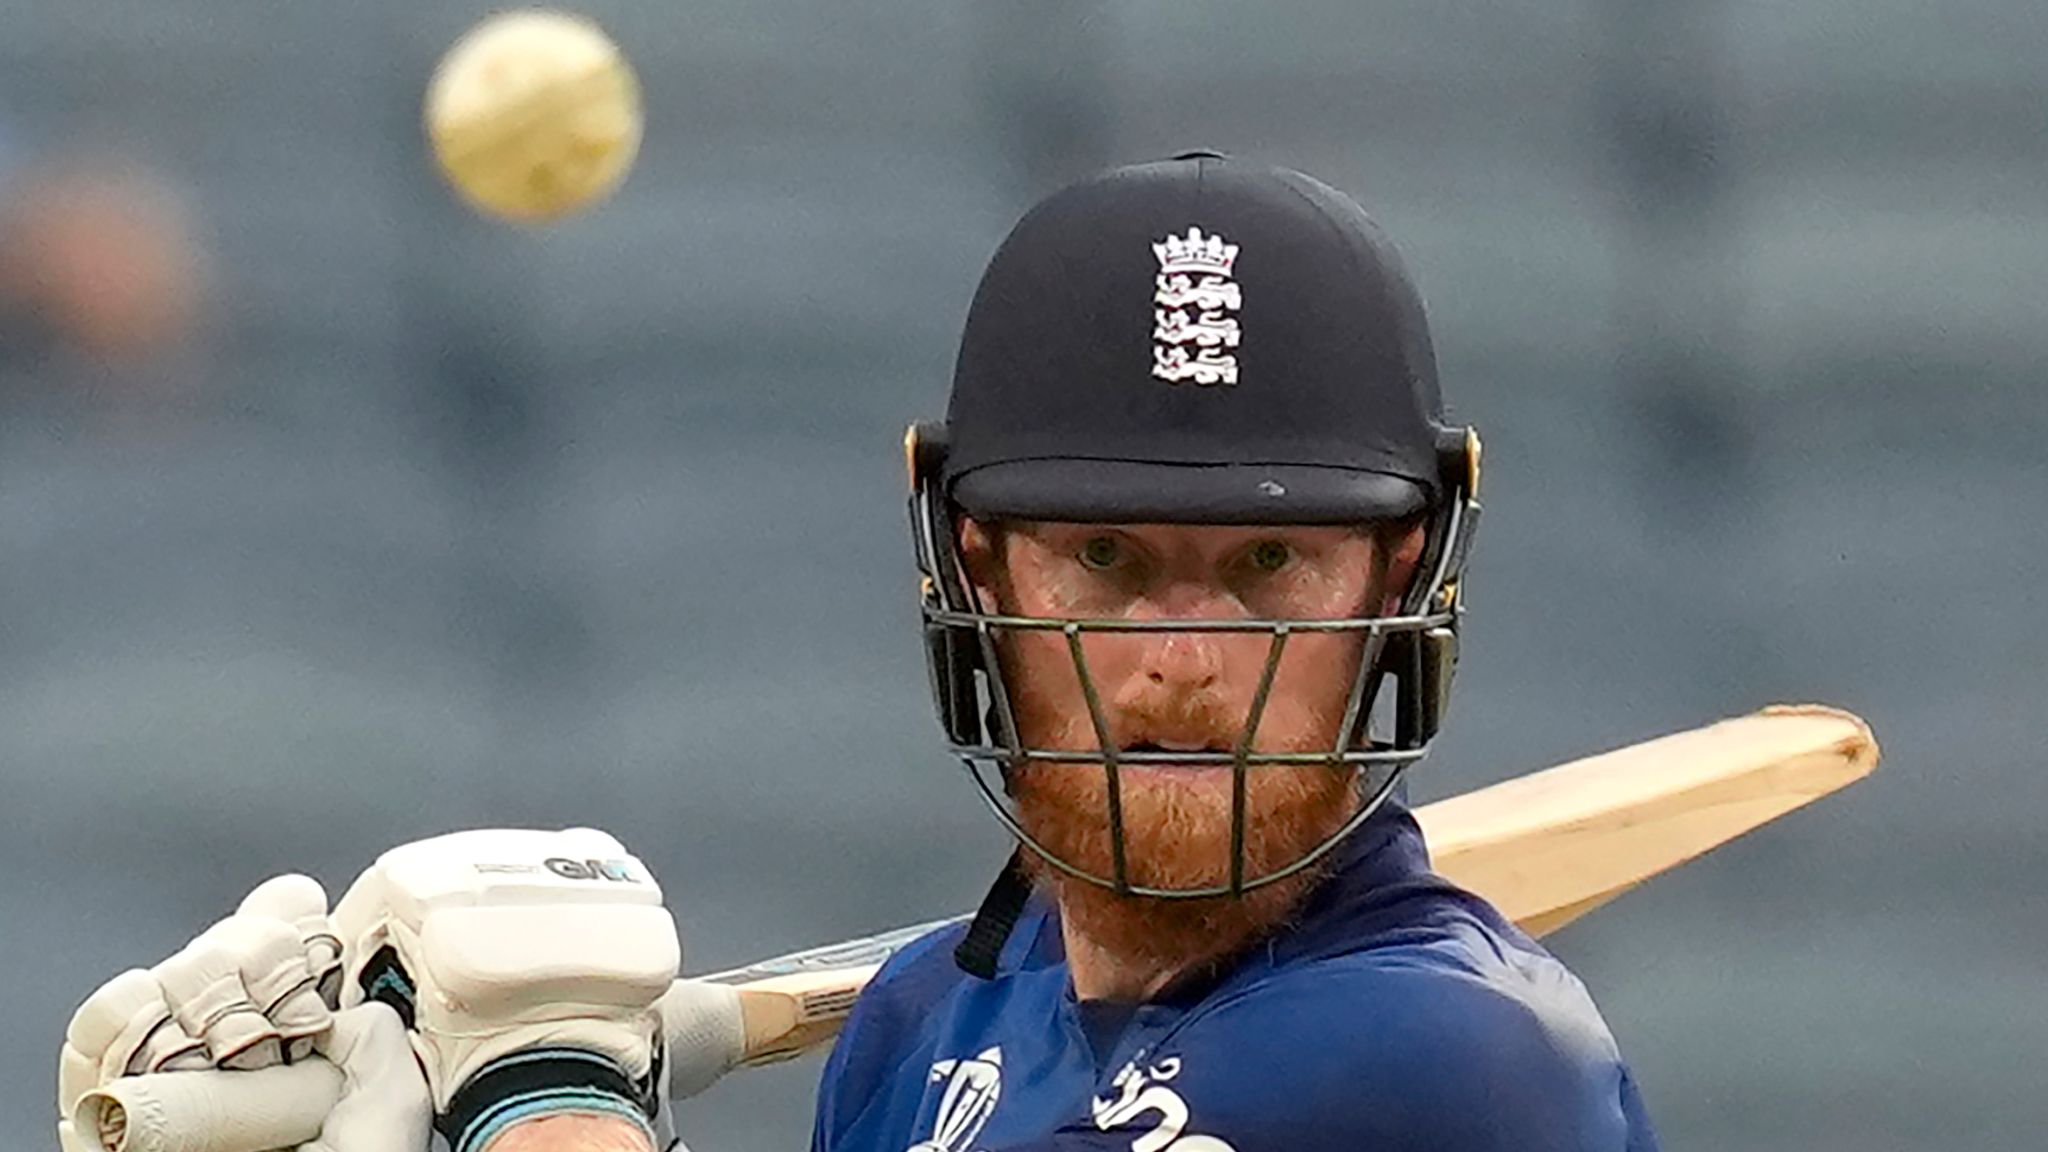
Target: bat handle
[(218, 1111)]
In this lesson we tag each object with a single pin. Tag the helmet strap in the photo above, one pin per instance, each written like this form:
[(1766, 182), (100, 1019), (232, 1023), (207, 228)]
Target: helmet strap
[(979, 950)]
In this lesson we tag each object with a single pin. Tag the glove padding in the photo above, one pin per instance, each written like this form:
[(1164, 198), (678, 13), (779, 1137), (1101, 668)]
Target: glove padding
[(515, 957), (252, 991)]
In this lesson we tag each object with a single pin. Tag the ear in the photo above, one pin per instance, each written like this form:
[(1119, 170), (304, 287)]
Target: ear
[(1401, 565), (981, 559)]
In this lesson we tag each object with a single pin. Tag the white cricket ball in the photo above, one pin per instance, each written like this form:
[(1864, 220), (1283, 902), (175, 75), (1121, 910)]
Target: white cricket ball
[(534, 114)]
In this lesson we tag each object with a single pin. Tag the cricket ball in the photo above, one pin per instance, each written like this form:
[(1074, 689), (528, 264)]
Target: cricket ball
[(533, 115)]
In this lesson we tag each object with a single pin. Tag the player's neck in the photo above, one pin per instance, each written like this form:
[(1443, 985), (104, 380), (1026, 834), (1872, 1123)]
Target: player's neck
[(1131, 949), (1126, 947), (1101, 973)]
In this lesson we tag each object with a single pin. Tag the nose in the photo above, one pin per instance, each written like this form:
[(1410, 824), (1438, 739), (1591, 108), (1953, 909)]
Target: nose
[(1183, 661), (1186, 661)]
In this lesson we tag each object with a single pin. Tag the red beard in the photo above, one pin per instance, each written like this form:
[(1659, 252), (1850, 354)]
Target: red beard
[(1177, 836)]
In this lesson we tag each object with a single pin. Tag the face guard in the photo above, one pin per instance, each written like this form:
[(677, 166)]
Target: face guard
[(1415, 648)]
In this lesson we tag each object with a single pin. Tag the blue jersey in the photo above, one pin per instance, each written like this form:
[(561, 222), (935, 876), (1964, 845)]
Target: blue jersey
[(1398, 1011)]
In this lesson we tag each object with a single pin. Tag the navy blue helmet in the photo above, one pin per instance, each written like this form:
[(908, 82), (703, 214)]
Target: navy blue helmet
[(1201, 341)]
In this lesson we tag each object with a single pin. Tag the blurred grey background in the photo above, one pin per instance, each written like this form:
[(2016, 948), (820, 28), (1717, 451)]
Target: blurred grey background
[(393, 520)]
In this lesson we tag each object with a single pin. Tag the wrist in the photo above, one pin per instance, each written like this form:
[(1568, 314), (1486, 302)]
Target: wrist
[(524, 1091), (573, 1134)]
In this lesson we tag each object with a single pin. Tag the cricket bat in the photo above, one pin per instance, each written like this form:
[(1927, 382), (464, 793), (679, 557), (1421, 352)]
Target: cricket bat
[(1545, 849)]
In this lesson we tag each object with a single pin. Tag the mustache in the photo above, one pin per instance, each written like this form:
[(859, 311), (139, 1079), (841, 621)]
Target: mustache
[(1157, 718), (1187, 725), (1180, 724)]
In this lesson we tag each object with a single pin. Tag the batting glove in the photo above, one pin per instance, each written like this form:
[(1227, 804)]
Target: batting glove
[(254, 991), (528, 967)]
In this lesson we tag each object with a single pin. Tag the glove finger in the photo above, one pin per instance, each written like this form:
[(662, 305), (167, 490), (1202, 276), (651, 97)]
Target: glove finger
[(100, 1025), (203, 985), (301, 901), (279, 983), (76, 1076), (387, 1104), (297, 1014), (292, 897), (126, 1028)]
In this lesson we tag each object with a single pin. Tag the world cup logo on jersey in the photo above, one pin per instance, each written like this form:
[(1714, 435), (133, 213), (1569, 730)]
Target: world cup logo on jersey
[(1154, 1112), (1194, 322), (972, 1089)]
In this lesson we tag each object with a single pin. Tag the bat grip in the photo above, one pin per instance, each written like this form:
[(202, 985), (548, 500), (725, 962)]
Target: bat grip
[(217, 1111)]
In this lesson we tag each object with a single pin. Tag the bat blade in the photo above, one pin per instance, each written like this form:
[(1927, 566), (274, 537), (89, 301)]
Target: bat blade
[(1548, 847)]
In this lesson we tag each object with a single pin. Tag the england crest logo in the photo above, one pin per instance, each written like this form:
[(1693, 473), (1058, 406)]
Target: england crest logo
[(1194, 321)]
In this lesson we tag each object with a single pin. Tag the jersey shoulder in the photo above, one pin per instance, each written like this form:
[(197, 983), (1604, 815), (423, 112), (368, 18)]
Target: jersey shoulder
[(1446, 1044)]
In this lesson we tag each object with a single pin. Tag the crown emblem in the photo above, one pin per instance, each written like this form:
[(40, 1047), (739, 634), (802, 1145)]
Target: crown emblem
[(1196, 254)]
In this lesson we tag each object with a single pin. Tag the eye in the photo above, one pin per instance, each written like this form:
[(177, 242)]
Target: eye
[(1271, 555), (1101, 553)]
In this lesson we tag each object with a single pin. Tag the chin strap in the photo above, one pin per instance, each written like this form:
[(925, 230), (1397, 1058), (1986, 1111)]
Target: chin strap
[(979, 950)]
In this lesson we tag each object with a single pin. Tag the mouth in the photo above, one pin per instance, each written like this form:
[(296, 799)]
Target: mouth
[(1187, 754)]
